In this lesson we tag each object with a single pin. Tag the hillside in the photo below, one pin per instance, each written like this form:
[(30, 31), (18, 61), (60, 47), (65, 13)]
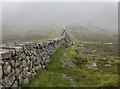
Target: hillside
[(86, 64)]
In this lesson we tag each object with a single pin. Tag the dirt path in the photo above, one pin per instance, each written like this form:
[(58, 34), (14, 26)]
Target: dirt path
[(66, 61), (70, 78)]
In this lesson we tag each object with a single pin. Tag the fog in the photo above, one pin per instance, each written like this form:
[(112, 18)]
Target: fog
[(57, 14), (51, 15)]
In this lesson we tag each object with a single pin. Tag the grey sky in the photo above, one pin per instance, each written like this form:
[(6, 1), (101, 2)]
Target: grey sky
[(57, 14)]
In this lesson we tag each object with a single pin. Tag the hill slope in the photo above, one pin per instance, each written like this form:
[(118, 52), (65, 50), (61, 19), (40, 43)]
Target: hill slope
[(72, 66)]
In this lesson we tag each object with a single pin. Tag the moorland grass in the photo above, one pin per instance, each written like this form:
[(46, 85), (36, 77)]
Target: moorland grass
[(82, 76), (51, 76)]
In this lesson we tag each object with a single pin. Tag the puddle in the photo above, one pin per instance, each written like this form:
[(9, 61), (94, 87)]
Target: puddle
[(107, 65), (93, 64), (108, 43)]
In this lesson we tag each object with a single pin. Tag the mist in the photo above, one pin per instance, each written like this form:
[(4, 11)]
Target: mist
[(52, 14), (36, 51), (38, 16)]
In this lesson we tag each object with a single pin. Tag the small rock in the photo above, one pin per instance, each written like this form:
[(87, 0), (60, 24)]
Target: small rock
[(1, 72), (7, 69), (1, 86), (25, 81), (28, 74), (24, 63), (15, 84)]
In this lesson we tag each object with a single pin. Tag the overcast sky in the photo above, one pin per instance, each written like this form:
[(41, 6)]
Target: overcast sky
[(58, 14)]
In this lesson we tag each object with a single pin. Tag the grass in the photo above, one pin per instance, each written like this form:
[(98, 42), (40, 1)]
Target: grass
[(85, 77), (51, 76), (14, 36), (82, 75)]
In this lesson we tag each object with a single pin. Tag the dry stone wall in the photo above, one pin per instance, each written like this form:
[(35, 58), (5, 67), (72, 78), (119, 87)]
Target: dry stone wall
[(19, 62)]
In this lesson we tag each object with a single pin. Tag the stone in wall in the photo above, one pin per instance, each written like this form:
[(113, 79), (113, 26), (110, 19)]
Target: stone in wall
[(20, 62), (1, 73)]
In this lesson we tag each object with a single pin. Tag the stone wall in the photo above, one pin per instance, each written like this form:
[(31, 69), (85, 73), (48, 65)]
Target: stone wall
[(19, 62)]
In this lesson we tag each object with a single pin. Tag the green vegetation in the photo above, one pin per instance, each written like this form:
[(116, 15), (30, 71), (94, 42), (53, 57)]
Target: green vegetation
[(71, 69), (100, 75), (92, 62), (34, 34), (52, 75)]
